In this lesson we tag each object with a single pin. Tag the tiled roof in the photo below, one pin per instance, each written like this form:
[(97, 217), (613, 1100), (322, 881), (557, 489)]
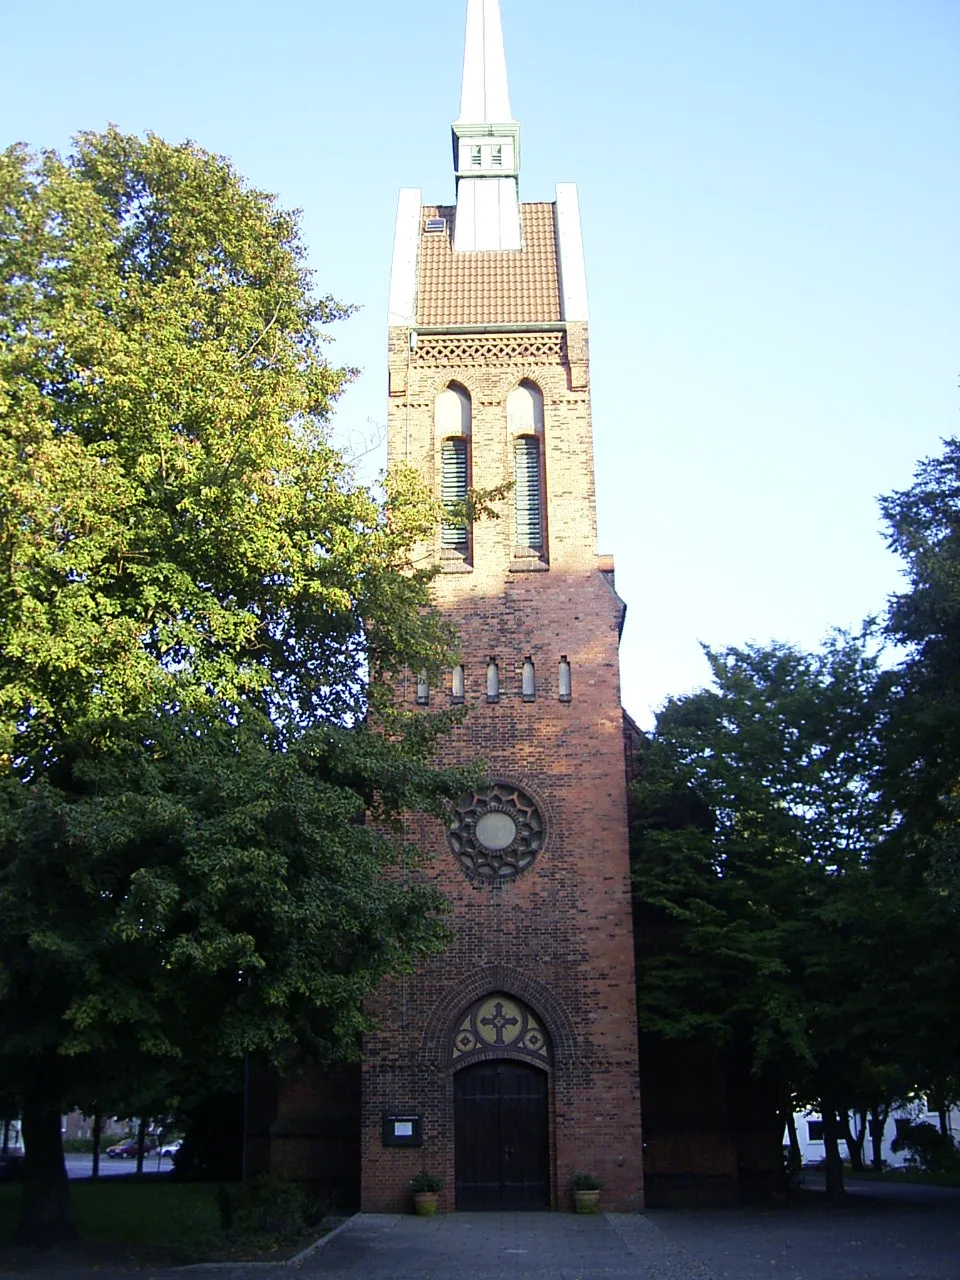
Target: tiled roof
[(490, 286)]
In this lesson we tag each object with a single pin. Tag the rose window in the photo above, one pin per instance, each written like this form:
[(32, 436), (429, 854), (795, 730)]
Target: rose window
[(496, 832)]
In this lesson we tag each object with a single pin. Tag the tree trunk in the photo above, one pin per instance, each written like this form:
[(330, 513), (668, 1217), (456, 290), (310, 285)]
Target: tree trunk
[(944, 1122), (879, 1114), (796, 1155), (46, 1214), (6, 1137), (141, 1137), (831, 1144), (854, 1147), (862, 1121), (97, 1135)]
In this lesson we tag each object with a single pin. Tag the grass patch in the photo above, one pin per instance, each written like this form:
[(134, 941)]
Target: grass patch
[(172, 1221), (166, 1215), (153, 1220)]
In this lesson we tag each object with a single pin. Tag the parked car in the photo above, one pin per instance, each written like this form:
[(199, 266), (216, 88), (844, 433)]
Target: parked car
[(127, 1150), (170, 1149)]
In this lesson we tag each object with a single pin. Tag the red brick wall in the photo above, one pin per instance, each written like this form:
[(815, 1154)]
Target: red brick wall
[(560, 937)]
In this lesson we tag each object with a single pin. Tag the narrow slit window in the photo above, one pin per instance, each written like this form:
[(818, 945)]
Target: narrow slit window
[(453, 492), (493, 681), (528, 682), (528, 493), (476, 157), (457, 684), (423, 689), (563, 680), (496, 157)]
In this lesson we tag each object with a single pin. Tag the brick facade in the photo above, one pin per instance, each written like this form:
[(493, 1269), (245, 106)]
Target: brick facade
[(559, 937)]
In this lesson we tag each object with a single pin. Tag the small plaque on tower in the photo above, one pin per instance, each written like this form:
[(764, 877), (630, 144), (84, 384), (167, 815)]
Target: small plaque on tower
[(402, 1131)]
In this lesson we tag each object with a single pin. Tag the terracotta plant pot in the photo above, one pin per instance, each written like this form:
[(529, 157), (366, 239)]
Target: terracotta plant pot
[(586, 1201), (425, 1203)]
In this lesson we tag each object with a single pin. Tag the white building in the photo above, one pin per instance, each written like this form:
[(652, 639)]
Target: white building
[(810, 1131)]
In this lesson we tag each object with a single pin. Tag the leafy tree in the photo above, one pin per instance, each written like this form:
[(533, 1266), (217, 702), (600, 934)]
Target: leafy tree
[(764, 837), (924, 528), (198, 610), (935, 1152)]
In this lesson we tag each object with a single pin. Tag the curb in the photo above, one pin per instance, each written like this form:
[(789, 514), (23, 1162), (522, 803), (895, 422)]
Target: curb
[(317, 1244), (295, 1261)]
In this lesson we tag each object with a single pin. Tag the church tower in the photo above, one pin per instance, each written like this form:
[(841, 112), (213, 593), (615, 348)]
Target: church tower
[(511, 1061)]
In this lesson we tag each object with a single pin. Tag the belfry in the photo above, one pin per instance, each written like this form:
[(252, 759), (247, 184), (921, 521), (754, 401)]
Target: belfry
[(511, 1061)]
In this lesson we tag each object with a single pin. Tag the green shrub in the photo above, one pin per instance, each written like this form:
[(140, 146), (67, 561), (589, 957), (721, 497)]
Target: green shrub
[(84, 1146), (424, 1181), (928, 1148), (267, 1206), (586, 1181)]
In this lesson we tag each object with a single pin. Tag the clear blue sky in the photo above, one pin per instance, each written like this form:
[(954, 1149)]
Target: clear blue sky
[(770, 193)]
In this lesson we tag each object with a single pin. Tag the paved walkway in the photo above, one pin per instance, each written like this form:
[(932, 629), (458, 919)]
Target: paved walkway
[(502, 1246), (885, 1236), (910, 1235)]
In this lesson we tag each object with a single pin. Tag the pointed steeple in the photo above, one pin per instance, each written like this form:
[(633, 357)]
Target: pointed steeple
[(484, 97), (486, 140)]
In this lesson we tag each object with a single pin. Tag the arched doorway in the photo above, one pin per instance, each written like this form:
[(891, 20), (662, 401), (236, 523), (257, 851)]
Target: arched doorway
[(501, 1136), (501, 1057)]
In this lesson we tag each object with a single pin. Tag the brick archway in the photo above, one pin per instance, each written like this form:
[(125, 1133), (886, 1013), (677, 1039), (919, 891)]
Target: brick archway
[(442, 1023)]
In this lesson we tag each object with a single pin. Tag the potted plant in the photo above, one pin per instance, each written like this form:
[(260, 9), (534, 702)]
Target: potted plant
[(425, 1187), (586, 1192)]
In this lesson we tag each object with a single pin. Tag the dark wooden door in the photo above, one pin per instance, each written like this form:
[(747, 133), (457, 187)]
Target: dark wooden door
[(501, 1137)]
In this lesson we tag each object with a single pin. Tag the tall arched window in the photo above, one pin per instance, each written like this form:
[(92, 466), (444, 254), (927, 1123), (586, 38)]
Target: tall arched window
[(525, 425), (528, 682), (423, 689), (493, 681), (452, 420), (563, 680)]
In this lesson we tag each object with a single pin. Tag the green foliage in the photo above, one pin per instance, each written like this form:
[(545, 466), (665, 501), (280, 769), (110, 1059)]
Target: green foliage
[(780, 906), (84, 1146), (759, 809), (199, 892), (153, 1220), (582, 1181), (176, 528), (267, 1207), (198, 610), (924, 528), (424, 1181), (932, 1151)]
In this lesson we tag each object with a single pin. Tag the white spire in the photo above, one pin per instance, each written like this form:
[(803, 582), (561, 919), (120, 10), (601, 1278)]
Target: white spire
[(486, 140), (484, 98)]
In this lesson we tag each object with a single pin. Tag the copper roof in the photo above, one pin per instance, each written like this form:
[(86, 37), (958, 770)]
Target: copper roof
[(489, 286)]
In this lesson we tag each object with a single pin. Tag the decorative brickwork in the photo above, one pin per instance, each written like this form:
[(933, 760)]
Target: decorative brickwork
[(445, 1015), (499, 348)]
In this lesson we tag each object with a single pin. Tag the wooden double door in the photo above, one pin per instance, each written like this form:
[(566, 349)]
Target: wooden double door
[(501, 1137)]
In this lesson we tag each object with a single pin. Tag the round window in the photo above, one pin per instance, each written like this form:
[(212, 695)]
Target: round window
[(496, 832)]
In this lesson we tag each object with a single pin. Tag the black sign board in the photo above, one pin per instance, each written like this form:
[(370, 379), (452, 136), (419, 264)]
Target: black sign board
[(402, 1131)]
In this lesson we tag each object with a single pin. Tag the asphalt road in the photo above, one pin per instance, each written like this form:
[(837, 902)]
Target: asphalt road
[(82, 1166)]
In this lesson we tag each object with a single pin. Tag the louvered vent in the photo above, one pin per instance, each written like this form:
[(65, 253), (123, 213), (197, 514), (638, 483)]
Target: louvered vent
[(453, 489), (526, 474)]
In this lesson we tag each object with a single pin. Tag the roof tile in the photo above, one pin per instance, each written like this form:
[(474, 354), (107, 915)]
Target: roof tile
[(489, 286)]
